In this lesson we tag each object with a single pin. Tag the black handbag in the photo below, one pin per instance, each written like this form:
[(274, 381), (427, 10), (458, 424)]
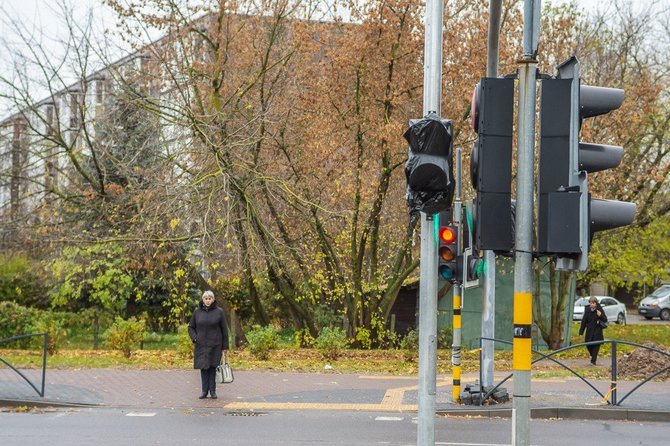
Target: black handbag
[(603, 324)]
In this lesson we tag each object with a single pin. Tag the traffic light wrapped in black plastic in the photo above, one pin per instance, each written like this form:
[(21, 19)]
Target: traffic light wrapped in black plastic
[(429, 167)]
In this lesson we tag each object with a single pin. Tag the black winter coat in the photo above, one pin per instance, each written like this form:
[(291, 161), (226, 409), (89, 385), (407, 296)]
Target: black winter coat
[(590, 323), (209, 332)]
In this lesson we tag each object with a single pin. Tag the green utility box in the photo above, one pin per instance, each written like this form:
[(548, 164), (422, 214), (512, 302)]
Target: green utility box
[(472, 301)]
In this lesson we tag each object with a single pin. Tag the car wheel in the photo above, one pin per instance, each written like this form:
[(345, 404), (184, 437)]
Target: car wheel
[(665, 314), (621, 319)]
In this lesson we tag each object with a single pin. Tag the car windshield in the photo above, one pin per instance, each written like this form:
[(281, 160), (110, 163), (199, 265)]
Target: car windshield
[(660, 292), (582, 301)]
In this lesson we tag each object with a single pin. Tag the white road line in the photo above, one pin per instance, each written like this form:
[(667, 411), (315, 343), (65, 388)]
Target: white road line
[(141, 414), (389, 418), (472, 444)]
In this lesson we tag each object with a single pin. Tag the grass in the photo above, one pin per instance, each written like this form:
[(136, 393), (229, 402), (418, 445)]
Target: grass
[(160, 353)]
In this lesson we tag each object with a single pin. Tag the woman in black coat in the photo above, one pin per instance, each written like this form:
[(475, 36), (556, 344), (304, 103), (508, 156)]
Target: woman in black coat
[(209, 333), (594, 315)]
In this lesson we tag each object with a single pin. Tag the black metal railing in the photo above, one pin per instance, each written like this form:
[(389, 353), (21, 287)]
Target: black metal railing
[(610, 396), (39, 391)]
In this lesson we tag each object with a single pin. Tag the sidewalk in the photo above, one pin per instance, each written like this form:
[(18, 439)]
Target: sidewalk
[(263, 391)]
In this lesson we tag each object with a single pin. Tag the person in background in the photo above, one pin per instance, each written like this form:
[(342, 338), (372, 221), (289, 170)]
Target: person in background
[(594, 315), (209, 333)]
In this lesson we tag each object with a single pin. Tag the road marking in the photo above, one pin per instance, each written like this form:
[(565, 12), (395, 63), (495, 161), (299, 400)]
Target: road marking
[(472, 444), (392, 402), (320, 406), (389, 419), (141, 414), (387, 377)]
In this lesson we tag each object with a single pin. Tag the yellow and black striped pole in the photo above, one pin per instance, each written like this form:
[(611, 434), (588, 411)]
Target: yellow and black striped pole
[(456, 345)]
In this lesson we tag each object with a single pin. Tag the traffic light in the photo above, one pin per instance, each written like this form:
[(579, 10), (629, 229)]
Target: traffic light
[(491, 116), (429, 167), (568, 216), (448, 252), (470, 265)]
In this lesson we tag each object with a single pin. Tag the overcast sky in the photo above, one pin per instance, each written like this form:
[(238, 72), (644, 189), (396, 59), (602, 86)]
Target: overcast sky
[(39, 10), (39, 15)]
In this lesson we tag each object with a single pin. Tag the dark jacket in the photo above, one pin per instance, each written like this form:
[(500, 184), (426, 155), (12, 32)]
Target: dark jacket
[(591, 323), (209, 332)]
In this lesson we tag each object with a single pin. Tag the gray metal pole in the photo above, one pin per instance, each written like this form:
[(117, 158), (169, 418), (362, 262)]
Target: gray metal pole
[(495, 8), (523, 298), (432, 93), (457, 290), (427, 333), (489, 279)]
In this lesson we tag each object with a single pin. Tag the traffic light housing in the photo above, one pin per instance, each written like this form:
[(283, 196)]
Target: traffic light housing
[(491, 114), (448, 252), (568, 216), (470, 265), (429, 167)]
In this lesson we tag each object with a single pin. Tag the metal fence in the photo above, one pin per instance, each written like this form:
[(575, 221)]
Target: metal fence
[(611, 395), (39, 391)]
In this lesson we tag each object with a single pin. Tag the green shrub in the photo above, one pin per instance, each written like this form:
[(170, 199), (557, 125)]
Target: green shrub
[(325, 316), (53, 327), (410, 345), (184, 342), (363, 338), (303, 338), (262, 340), (125, 336), (331, 342), (23, 281), (16, 320), (445, 337)]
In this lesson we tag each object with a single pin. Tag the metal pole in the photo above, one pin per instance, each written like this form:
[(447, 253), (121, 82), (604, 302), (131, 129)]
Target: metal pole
[(495, 8), (456, 345), (614, 379), (427, 333), (489, 279), (432, 92), (523, 298), (457, 289)]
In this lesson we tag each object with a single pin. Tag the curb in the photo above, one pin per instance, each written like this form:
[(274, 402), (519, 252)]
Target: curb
[(45, 403), (619, 414), (614, 414)]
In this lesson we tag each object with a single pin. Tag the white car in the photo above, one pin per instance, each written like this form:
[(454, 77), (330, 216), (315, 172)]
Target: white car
[(615, 310)]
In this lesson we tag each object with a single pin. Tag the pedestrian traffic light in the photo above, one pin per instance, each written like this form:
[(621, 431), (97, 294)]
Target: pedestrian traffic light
[(568, 216), (470, 265), (491, 114), (448, 252), (429, 167)]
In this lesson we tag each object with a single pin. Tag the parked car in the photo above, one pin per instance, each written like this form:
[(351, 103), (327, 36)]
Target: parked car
[(615, 310), (657, 304)]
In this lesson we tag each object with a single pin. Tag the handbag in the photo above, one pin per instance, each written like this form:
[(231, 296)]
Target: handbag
[(603, 324), (224, 372)]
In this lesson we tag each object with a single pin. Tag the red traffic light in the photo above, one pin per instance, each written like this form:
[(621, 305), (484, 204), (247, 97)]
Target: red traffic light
[(447, 235)]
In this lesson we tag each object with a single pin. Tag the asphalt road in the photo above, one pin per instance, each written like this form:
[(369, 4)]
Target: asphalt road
[(102, 427), (634, 318)]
